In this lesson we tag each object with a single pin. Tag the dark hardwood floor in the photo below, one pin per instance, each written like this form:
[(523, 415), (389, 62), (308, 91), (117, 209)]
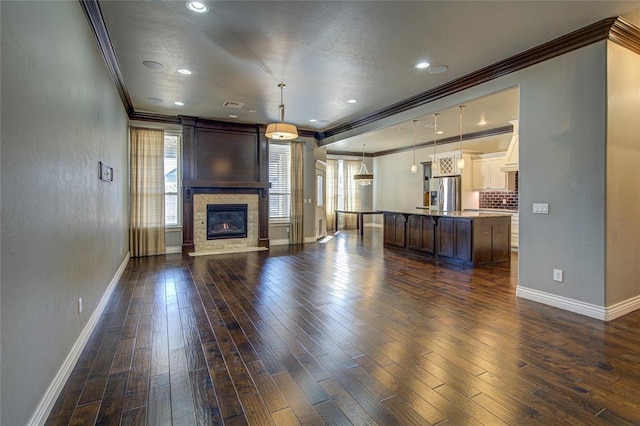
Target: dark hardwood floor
[(345, 332)]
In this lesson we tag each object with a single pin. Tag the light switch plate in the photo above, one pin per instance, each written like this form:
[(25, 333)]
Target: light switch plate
[(558, 275), (541, 208)]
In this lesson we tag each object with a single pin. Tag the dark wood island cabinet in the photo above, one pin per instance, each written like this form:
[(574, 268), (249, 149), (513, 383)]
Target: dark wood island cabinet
[(469, 238)]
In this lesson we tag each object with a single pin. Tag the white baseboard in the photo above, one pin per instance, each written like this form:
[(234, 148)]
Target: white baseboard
[(173, 250), (622, 308), (285, 241), (579, 307), (45, 406)]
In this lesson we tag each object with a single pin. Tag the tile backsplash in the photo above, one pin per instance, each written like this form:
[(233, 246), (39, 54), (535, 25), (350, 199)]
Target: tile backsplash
[(507, 200)]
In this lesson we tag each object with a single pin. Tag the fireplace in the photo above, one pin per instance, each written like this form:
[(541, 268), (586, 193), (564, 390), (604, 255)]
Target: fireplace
[(226, 221)]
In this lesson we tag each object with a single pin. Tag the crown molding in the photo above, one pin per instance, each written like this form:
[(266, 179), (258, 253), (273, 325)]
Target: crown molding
[(618, 30), (625, 34), (92, 11), (452, 139), (152, 116)]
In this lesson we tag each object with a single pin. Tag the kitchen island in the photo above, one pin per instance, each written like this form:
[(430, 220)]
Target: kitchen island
[(469, 238)]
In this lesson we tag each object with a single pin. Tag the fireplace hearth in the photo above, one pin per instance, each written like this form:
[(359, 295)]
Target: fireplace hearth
[(226, 221)]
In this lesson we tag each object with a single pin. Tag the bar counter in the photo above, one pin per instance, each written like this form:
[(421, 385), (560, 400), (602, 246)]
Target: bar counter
[(465, 237)]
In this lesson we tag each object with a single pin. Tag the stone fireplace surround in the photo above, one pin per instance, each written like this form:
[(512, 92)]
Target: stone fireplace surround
[(226, 162), (202, 245)]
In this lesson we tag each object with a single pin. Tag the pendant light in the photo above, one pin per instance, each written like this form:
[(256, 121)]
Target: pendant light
[(434, 163), (281, 131), (364, 178), (414, 166), (461, 159)]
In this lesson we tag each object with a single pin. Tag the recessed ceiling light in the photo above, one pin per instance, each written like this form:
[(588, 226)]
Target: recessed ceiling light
[(197, 6), (233, 116), (352, 101), (400, 129), (179, 103), (155, 100), (422, 65), (252, 110), (323, 121), (438, 69), (313, 120), (184, 71), (440, 132), (153, 65), (482, 123)]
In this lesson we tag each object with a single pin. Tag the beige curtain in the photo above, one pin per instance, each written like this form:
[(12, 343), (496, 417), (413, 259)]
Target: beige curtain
[(332, 193), (351, 192), (146, 234), (297, 201)]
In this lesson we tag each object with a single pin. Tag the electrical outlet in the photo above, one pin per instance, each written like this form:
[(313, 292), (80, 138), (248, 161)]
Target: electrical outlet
[(120, 250), (504, 201), (79, 306), (541, 208), (557, 275)]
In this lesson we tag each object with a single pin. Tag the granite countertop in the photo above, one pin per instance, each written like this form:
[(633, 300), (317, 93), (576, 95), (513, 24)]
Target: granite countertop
[(493, 210), (425, 211)]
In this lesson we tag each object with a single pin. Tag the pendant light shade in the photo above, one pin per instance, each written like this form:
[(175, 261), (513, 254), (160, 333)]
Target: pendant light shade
[(414, 166), (281, 131), (434, 163), (364, 178), (461, 158)]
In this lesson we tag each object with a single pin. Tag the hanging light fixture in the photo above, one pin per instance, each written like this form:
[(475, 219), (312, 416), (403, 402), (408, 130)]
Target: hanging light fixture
[(281, 131), (434, 163), (414, 166), (363, 177), (461, 159)]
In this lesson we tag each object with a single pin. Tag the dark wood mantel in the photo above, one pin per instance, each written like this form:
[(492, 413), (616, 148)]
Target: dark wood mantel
[(223, 158)]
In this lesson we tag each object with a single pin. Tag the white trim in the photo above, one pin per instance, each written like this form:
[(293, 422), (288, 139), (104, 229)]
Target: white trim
[(281, 242), (583, 308), (173, 250), (622, 308), (571, 305), (227, 251), (373, 225), (45, 406), (310, 240)]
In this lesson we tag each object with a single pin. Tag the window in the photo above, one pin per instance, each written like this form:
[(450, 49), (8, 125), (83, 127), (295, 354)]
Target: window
[(171, 179), (279, 181)]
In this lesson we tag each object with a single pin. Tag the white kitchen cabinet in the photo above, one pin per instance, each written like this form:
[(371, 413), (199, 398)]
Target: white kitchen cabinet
[(487, 175), (481, 177), (447, 164), (515, 232)]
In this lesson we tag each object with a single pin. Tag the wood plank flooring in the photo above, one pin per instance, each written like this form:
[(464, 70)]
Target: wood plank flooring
[(341, 333)]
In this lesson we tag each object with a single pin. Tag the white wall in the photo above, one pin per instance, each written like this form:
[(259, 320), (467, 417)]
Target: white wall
[(623, 175), (62, 228), (394, 186)]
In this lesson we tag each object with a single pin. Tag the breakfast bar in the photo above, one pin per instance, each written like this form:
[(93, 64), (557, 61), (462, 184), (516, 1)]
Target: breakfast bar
[(467, 238)]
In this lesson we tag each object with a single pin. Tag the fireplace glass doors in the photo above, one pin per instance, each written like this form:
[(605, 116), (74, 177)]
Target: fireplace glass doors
[(226, 221)]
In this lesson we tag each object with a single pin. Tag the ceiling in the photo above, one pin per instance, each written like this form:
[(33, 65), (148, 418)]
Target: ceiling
[(328, 52)]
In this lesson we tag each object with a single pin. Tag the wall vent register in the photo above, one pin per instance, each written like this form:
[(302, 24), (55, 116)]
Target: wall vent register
[(226, 221)]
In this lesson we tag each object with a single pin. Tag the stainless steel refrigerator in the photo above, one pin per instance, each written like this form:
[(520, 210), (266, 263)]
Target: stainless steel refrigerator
[(447, 193)]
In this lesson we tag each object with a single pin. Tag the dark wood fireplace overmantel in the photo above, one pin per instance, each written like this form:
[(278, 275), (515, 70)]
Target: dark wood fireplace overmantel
[(223, 158)]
